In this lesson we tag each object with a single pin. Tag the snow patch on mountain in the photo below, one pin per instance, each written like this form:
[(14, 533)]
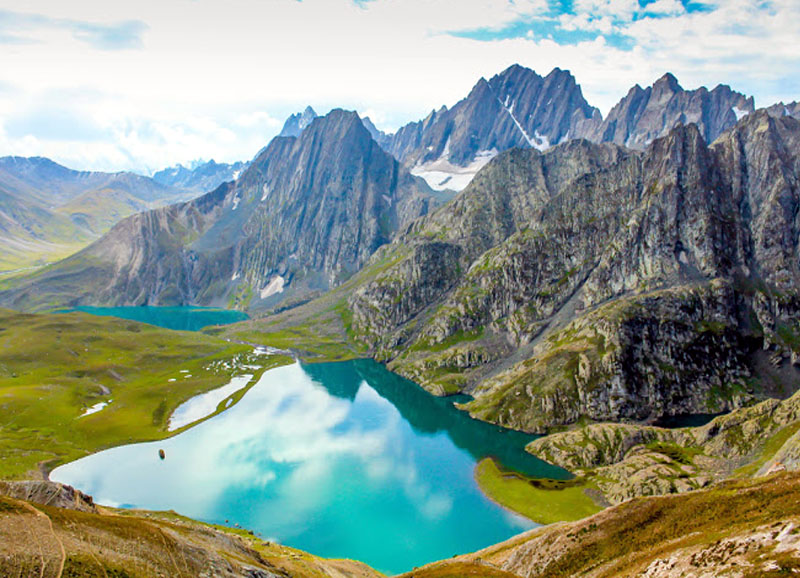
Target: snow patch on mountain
[(739, 113), (274, 287), (441, 174)]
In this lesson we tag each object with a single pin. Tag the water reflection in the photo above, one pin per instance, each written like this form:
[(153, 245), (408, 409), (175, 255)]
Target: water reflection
[(342, 460)]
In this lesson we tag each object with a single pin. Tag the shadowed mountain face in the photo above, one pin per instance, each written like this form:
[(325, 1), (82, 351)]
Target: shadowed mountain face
[(306, 214), (48, 211), (595, 281)]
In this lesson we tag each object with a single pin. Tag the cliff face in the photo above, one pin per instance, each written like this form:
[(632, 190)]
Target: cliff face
[(593, 281), (307, 212)]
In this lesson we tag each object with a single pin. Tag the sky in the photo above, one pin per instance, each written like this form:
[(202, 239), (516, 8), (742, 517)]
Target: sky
[(140, 85)]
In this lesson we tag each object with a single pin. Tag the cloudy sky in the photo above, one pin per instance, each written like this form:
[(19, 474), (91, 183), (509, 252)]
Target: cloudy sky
[(112, 85)]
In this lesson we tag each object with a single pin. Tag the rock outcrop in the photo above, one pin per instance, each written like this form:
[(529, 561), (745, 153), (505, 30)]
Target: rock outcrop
[(628, 460), (596, 282), (49, 494)]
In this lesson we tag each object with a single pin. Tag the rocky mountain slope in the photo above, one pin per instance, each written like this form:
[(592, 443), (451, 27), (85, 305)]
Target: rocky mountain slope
[(596, 282), (627, 460), (646, 114), (48, 211), (307, 213), (516, 108), (201, 177)]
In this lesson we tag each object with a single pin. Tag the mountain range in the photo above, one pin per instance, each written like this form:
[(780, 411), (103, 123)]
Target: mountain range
[(48, 211), (594, 281), (199, 177), (306, 213), (519, 108), (644, 272), (516, 108), (629, 269)]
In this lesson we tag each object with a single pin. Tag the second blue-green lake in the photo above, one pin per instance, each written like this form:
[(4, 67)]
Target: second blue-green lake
[(343, 460), (179, 318)]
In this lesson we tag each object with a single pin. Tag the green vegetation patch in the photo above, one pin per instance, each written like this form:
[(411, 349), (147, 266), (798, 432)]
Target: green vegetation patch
[(771, 447), (543, 501), (54, 367), (676, 453)]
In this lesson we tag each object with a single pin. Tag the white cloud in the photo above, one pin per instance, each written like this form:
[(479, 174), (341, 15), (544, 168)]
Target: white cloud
[(217, 79)]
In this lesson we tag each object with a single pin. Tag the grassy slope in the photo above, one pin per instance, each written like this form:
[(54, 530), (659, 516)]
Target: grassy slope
[(543, 501), (624, 540), (52, 367), (137, 544)]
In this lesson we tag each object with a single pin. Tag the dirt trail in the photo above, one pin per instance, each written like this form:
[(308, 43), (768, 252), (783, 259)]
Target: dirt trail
[(41, 514)]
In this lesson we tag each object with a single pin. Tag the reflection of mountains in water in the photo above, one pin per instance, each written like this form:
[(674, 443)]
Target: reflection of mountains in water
[(430, 415)]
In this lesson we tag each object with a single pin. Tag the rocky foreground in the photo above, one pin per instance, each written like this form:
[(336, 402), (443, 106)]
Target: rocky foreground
[(735, 529), (738, 529)]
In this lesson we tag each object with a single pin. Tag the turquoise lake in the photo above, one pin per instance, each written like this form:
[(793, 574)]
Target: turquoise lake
[(178, 318), (344, 460)]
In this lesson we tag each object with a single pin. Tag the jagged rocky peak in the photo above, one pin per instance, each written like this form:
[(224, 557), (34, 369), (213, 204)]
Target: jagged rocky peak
[(516, 108), (780, 109), (297, 122), (646, 114)]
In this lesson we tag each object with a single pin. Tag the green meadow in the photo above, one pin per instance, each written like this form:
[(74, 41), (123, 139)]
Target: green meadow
[(54, 367)]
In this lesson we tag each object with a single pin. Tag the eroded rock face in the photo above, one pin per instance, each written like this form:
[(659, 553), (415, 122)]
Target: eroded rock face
[(628, 460), (49, 494), (593, 281)]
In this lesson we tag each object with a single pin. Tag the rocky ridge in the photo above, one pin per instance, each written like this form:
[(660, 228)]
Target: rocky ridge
[(646, 114), (628, 460), (519, 108), (298, 122), (597, 282), (516, 108), (201, 177)]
